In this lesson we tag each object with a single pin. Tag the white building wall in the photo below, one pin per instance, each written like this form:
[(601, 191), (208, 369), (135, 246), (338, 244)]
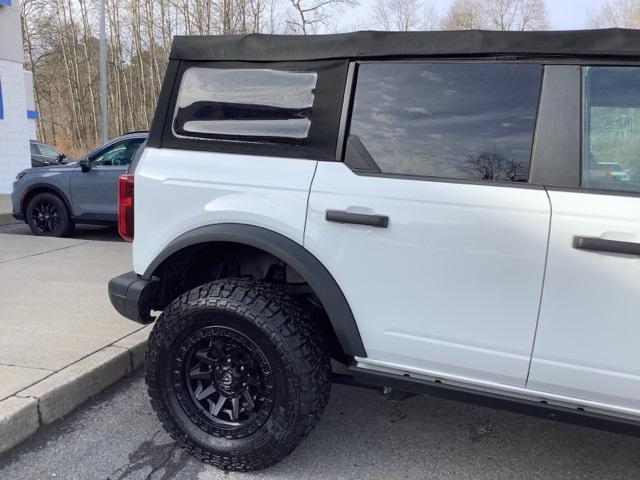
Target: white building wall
[(32, 113), (15, 129)]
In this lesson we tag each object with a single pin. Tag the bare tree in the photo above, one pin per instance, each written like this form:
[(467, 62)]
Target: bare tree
[(404, 15), (616, 13), (29, 35), (497, 15), (463, 15), (256, 11), (516, 14), (493, 166), (61, 49), (309, 15)]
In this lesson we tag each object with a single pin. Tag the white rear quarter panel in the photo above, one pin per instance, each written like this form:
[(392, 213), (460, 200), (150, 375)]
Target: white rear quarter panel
[(178, 190)]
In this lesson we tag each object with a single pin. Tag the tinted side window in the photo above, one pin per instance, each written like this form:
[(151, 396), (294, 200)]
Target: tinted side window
[(258, 105), (118, 154), (611, 152), (34, 149), (47, 151), (463, 121)]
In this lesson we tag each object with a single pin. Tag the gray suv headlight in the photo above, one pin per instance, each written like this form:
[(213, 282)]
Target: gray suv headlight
[(20, 175)]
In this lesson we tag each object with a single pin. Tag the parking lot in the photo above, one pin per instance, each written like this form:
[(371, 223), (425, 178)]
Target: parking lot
[(52, 293), (55, 310), (117, 436)]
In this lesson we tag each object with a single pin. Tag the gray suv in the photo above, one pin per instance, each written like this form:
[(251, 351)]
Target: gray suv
[(52, 199)]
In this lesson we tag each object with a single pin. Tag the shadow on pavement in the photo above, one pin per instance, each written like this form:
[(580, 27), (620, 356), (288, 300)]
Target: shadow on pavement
[(80, 232)]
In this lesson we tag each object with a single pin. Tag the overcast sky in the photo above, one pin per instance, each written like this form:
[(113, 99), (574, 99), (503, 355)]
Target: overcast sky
[(563, 14)]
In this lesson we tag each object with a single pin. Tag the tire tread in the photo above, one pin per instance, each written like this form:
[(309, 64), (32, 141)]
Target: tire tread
[(295, 336)]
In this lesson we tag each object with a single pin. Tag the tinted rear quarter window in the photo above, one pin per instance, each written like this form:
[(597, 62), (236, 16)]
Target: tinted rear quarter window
[(472, 121)]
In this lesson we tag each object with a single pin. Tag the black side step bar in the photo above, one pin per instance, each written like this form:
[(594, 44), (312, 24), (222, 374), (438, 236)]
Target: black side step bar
[(361, 377)]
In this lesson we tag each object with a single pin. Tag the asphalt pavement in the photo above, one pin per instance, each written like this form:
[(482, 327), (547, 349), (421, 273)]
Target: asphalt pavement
[(362, 435)]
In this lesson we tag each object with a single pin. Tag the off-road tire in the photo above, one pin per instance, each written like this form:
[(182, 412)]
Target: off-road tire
[(283, 329), (63, 226)]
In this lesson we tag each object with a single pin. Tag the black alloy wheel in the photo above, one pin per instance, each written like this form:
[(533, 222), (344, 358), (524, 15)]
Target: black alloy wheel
[(227, 379), (48, 216)]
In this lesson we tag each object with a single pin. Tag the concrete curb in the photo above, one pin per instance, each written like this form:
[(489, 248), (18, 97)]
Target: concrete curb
[(53, 397)]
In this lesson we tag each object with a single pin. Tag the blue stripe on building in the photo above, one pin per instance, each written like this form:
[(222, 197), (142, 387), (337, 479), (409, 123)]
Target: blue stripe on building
[(5, 2), (33, 114)]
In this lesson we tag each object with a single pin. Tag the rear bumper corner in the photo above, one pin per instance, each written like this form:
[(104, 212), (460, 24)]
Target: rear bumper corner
[(133, 296)]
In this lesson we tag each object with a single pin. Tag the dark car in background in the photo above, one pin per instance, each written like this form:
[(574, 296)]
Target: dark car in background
[(43, 155), (53, 198)]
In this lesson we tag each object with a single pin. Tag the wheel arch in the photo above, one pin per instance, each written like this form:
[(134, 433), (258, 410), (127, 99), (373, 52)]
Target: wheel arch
[(37, 188), (291, 253)]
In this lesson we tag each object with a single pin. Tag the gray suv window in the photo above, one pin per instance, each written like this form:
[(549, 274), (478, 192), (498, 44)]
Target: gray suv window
[(611, 153), (462, 121), (244, 104), (47, 151), (117, 154)]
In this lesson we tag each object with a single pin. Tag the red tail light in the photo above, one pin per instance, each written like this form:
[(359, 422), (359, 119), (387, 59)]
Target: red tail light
[(125, 207)]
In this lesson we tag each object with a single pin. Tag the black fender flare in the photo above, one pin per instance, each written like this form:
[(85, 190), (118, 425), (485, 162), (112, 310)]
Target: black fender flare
[(44, 186), (290, 252)]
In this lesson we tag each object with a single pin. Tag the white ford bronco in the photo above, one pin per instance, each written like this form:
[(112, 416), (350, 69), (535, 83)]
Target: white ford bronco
[(436, 211)]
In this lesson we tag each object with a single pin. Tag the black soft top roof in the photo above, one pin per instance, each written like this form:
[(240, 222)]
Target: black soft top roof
[(283, 48)]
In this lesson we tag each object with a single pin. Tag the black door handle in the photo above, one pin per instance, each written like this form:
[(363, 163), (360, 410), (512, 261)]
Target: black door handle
[(603, 245), (341, 216)]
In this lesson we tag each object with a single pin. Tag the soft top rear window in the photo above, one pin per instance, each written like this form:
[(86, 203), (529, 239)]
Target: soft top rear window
[(245, 104), (286, 109)]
